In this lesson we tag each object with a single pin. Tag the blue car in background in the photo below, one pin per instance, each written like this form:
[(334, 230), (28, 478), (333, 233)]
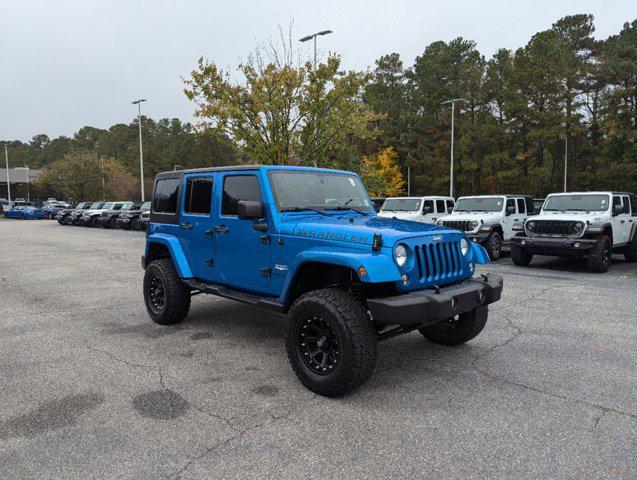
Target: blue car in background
[(50, 210), (24, 212)]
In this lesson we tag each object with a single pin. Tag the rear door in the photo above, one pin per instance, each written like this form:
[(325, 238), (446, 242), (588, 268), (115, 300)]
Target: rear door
[(195, 224), (621, 223)]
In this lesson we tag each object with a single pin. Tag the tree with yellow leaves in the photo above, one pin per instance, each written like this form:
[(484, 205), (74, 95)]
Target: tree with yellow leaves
[(381, 174)]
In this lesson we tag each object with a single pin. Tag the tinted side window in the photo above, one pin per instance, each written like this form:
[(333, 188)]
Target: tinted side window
[(521, 206), (450, 204), (428, 206), (239, 187), (440, 206), (198, 195), (165, 200), (510, 203), (617, 201), (626, 205)]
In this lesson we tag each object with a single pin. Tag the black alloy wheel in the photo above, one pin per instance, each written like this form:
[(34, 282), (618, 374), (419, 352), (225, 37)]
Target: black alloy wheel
[(156, 294), (318, 345)]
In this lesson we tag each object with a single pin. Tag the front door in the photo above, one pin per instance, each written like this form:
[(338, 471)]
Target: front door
[(242, 254), (621, 224), (507, 222), (195, 224)]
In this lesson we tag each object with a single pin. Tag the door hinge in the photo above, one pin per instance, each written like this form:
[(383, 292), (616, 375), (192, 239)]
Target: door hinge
[(266, 272), (210, 262), (264, 239), (208, 233)]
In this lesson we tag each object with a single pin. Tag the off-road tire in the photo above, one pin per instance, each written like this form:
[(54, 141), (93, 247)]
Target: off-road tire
[(600, 256), (352, 330), (112, 223), (459, 329), (176, 295), (520, 255), (630, 254), (493, 245)]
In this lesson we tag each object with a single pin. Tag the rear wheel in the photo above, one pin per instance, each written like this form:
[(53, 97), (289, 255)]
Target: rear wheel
[(331, 343), (520, 255), (457, 329), (600, 256), (113, 223), (493, 245), (167, 298)]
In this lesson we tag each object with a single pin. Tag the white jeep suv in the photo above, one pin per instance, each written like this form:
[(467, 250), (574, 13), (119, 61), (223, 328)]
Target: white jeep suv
[(417, 209), (489, 219), (588, 224)]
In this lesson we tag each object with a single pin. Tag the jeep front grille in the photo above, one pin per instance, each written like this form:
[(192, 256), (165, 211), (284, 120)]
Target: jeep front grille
[(438, 260), (554, 227), (464, 225)]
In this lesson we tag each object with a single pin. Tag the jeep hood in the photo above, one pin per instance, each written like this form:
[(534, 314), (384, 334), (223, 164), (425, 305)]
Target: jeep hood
[(593, 217), (356, 229), (486, 217)]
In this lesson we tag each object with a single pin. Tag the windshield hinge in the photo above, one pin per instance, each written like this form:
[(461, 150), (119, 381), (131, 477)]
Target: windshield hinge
[(266, 272)]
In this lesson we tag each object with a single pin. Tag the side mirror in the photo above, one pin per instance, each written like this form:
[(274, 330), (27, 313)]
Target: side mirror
[(510, 210), (617, 209), (249, 210)]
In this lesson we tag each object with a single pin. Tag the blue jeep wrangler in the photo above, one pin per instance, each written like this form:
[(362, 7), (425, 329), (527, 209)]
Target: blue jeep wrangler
[(307, 242)]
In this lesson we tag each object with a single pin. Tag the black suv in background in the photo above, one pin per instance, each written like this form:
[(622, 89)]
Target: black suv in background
[(69, 215), (141, 223), (108, 218), (130, 218)]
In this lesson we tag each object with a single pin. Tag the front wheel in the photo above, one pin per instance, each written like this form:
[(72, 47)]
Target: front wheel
[(520, 255), (331, 343), (599, 258), (167, 298), (493, 245), (457, 329)]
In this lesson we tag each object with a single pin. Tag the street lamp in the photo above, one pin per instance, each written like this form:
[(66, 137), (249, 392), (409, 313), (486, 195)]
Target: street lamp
[(141, 150), (28, 193), (6, 159), (313, 37), (453, 108), (565, 158)]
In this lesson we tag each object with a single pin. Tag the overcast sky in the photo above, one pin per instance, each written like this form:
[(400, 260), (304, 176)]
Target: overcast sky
[(65, 64)]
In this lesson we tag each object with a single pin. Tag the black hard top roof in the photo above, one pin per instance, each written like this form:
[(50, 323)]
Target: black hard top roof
[(179, 173)]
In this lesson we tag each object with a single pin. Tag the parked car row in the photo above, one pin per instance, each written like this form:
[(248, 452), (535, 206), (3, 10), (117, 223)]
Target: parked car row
[(588, 225), (125, 215)]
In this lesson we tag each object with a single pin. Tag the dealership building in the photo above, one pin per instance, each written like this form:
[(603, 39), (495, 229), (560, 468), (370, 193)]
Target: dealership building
[(19, 180)]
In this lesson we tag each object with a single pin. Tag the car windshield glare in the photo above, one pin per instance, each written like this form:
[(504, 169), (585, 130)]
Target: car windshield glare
[(145, 206), (479, 204), (297, 190), (401, 205), (597, 203)]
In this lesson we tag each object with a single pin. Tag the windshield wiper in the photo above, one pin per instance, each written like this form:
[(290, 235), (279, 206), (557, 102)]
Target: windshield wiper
[(305, 209), (343, 207)]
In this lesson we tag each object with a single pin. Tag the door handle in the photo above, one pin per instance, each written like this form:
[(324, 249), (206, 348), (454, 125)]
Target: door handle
[(185, 226), (516, 219), (623, 221), (221, 229)]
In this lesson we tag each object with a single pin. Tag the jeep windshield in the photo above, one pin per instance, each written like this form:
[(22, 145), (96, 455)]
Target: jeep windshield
[(297, 190), (479, 204), (401, 205), (586, 203)]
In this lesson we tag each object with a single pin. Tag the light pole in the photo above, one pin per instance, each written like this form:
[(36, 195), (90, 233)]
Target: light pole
[(565, 158), (453, 109), (313, 37), (6, 159), (141, 149), (28, 193), (103, 182)]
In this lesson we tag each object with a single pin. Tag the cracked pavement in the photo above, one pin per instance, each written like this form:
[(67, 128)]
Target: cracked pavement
[(91, 388)]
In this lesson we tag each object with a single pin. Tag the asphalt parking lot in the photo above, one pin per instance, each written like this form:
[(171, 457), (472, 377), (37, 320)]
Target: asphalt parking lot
[(91, 388)]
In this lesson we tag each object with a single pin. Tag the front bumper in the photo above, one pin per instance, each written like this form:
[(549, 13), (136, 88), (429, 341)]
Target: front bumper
[(427, 307), (555, 245), (123, 222)]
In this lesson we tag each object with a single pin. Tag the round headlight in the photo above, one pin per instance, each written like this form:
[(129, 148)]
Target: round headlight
[(464, 246), (530, 226), (474, 225), (401, 255), (578, 227)]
